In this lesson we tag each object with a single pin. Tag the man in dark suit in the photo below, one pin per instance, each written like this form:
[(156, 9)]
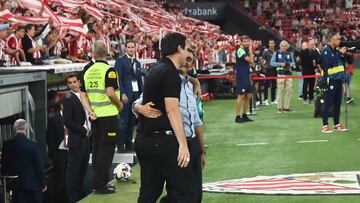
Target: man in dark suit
[(58, 153), (131, 86), (78, 128), (21, 157)]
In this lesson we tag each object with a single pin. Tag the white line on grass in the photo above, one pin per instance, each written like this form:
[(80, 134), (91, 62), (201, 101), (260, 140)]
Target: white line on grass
[(252, 144), (311, 141)]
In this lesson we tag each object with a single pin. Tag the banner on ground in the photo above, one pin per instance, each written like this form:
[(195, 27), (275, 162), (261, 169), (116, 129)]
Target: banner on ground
[(329, 183)]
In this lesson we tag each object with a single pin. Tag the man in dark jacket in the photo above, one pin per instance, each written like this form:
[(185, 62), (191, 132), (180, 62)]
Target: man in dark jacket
[(131, 86), (21, 157), (58, 152), (310, 59), (78, 128)]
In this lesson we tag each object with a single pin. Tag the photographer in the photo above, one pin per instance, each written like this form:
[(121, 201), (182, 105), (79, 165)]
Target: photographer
[(283, 61)]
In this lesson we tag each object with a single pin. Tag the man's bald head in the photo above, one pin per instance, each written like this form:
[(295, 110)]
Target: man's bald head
[(100, 50)]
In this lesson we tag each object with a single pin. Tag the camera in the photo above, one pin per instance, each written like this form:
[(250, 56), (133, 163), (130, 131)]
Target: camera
[(352, 46)]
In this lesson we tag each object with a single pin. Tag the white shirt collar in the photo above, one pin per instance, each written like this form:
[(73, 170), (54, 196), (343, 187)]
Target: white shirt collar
[(129, 56)]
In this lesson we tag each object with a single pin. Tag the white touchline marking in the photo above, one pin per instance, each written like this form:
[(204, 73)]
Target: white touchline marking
[(251, 144), (311, 141)]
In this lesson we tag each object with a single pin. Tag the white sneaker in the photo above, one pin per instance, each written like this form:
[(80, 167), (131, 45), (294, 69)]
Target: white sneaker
[(266, 103), (274, 102), (23, 63), (258, 103)]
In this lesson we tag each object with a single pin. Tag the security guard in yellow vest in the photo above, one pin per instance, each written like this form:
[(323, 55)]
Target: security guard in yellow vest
[(102, 99)]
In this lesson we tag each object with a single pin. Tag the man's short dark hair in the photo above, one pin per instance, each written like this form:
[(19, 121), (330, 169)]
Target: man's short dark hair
[(92, 31), (129, 41), (244, 37), (171, 42), (331, 34), (73, 75), (271, 40), (19, 28), (29, 27)]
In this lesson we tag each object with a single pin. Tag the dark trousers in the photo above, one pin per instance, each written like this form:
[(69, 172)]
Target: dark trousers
[(127, 124), (333, 97), (60, 162), (105, 135), (194, 147), (308, 88), (158, 162), (270, 72), (272, 85), (26, 196), (76, 171)]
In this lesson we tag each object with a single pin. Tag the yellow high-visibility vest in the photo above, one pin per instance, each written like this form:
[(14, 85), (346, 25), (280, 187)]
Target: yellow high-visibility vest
[(94, 80)]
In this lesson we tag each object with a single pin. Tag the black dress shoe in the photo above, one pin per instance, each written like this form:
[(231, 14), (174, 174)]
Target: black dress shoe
[(105, 190)]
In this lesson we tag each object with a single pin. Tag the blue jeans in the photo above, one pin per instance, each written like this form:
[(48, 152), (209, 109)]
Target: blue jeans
[(300, 84), (348, 82)]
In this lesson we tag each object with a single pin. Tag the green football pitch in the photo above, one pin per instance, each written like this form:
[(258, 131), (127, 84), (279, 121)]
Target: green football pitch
[(282, 155)]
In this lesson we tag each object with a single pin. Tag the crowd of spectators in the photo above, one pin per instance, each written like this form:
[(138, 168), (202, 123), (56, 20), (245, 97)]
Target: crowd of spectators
[(24, 44), (298, 21)]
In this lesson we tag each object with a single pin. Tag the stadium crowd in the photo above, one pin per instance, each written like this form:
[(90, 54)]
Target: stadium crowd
[(310, 20)]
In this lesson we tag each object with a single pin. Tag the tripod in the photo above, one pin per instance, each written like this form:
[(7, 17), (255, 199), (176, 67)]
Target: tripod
[(346, 104)]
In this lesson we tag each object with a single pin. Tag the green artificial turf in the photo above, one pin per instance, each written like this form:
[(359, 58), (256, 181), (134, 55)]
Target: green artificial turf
[(226, 160)]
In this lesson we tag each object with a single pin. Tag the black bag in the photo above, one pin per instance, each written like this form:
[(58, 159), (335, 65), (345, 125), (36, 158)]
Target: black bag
[(319, 107)]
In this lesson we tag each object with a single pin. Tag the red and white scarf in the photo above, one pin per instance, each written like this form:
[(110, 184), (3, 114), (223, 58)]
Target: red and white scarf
[(36, 54), (2, 49)]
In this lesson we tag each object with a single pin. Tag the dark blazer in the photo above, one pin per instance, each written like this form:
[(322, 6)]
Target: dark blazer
[(127, 75), (54, 134), (74, 118), (21, 157)]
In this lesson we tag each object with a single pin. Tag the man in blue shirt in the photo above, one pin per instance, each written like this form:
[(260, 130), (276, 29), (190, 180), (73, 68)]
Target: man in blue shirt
[(283, 61), (192, 126), (333, 77), (244, 58)]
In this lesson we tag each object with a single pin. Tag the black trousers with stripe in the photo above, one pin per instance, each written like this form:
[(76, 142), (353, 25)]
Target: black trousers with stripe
[(105, 130)]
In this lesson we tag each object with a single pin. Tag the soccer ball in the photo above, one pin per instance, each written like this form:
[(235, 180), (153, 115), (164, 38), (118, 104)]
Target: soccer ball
[(122, 171)]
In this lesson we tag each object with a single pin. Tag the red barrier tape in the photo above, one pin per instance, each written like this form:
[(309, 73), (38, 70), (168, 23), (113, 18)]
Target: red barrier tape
[(259, 78)]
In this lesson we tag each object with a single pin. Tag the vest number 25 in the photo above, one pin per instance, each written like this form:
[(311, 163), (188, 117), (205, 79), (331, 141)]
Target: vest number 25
[(94, 84)]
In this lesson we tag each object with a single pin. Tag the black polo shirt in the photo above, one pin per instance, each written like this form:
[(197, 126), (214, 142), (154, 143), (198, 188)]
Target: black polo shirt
[(309, 59), (161, 81)]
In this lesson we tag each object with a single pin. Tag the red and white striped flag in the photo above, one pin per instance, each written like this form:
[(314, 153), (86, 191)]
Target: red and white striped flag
[(37, 6), (73, 24), (7, 15)]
